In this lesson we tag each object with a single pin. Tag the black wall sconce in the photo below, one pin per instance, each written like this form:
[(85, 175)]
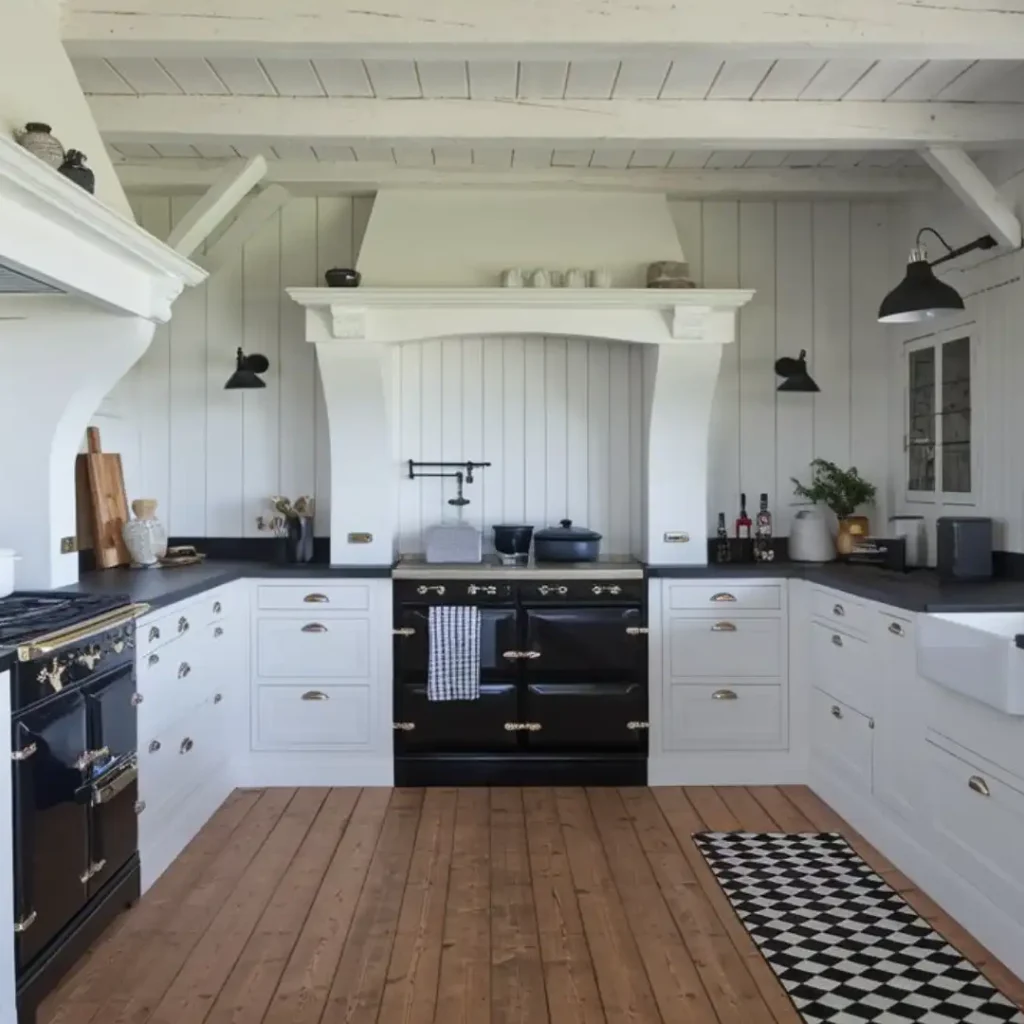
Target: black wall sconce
[(247, 370), (795, 372), (921, 295)]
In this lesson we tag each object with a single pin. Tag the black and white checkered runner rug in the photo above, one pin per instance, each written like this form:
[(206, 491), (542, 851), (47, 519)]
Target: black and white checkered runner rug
[(846, 947)]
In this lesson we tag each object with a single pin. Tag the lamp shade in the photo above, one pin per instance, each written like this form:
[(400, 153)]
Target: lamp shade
[(919, 296), (795, 372), (247, 370)]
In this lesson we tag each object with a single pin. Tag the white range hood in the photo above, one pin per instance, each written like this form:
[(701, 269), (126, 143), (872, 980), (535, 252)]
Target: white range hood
[(426, 262), (81, 291)]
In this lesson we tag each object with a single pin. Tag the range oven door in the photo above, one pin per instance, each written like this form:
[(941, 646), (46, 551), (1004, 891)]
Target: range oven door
[(51, 836), (113, 775)]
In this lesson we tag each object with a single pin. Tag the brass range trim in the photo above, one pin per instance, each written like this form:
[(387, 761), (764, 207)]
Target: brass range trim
[(47, 644)]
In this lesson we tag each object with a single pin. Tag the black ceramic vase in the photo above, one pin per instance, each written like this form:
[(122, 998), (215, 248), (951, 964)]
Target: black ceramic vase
[(300, 539), (74, 169)]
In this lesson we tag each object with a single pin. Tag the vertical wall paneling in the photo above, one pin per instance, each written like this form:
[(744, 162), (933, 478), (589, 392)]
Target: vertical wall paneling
[(637, 449), (794, 330), (577, 433), (756, 341), (556, 414), (831, 300), (261, 421), (454, 447), (153, 378), (225, 505), (297, 377), (471, 406), (410, 444), (186, 511), (492, 387), (598, 409), (534, 425), (333, 249), (433, 491), (721, 270), (619, 511), (869, 421), (513, 455)]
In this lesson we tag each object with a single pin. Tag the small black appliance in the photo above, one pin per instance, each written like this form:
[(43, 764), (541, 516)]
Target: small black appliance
[(964, 547)]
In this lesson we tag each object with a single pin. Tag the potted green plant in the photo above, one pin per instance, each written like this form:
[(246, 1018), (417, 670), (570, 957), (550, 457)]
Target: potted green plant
[(843, 491)]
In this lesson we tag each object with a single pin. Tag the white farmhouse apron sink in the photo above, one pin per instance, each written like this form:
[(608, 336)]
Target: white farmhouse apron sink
[(975, 654)]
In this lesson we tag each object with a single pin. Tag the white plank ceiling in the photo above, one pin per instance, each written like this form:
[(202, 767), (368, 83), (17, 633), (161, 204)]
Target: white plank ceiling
[(694, 78)]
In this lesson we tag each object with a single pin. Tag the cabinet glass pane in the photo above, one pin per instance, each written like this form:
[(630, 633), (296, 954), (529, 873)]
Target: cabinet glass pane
[(955, 413), (921, 421)]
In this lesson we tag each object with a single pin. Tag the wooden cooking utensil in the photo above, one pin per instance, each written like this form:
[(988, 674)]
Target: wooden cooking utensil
[(109, 504)]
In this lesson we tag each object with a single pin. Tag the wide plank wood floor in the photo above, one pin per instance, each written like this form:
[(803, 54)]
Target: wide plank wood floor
[(469, 906)]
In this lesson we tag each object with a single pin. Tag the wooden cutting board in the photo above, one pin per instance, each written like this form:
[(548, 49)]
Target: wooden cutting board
[(107, 503)]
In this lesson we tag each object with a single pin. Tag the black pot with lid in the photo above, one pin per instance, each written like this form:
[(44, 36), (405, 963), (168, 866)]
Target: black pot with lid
[(566, 543)]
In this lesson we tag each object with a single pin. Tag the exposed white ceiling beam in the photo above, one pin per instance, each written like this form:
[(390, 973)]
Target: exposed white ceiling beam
[(230, 187), (359, 177), (976, 192), (256, 212), (722, 124), (950, 29)]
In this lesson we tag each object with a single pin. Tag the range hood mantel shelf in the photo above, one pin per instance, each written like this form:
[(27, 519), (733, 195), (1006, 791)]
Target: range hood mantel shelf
[(642, 315)]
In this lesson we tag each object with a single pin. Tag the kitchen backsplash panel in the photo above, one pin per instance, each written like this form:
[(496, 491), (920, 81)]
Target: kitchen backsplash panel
[(558, 417)]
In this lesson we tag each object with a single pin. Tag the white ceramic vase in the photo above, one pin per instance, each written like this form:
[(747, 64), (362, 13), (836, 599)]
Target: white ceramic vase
[(145, 536)]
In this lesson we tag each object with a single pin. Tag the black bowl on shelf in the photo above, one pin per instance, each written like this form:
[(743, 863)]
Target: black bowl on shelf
[(342, 277), (513, 542)]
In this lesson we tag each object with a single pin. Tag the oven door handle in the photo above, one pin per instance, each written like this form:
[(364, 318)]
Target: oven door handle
[(102, 794)]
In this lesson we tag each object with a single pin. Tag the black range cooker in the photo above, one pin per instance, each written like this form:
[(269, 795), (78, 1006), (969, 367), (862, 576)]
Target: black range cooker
[(74, 774)]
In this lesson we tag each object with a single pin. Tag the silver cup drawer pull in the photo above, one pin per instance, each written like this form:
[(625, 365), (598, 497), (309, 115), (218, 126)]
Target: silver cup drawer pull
[(837, 711), (184, 669), (838, 611), (154, 633), (186, 745), (979, 785), (183, 625), (316, 599), (724, 627), (837, 640), (723, 597), (314, 627), (315, 695), (725, 695), (896, 629), (217, 608), (154, 659), (218, 631)]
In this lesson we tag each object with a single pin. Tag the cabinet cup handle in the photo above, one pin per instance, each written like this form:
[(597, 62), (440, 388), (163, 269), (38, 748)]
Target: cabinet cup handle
[(25, 753), (723, 596), (183, 625), (218, 631), (186, 745), (140, 806), (154, 632), (725, 695), (838, 610), (896, 629), (25, 923), (979, 785), (154, 746), (217, 608), (154, 659), (315, 695), (837, 711), (724, 627), (314, 627), (317, 599), (137, 699), (837, 640), (184, 669), (403, 726)]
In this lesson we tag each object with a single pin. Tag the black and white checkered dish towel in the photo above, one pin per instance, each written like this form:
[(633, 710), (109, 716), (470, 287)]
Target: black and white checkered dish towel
[(454, 672)]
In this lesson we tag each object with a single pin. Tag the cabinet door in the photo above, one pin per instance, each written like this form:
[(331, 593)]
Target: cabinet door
[(51, 842), (585, 645), (899, 741), (447, 726), (595, 716), (497, 635)]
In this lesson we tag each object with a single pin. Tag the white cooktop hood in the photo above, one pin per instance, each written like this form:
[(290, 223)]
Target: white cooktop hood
[(81, 291), (430, 261)]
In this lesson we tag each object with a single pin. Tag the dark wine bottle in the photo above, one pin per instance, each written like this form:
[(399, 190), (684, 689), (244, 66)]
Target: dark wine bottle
[(723, 552), (764, 550), (743, 523)]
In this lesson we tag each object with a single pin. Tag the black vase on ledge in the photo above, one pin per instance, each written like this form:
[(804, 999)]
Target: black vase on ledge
[(299, 542)]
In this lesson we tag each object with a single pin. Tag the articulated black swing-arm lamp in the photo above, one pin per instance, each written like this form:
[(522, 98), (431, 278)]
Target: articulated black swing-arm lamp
[(921, 295), (247, 371)]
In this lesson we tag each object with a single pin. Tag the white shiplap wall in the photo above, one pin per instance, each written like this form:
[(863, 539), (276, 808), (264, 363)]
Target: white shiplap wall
[(560, 419)]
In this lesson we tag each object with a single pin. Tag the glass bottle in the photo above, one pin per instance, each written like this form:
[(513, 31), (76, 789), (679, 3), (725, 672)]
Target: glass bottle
[(764, 550), (743, 523), (723, 552)]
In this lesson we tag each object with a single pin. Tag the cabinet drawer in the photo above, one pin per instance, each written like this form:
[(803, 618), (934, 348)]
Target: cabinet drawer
[(310, 648), (979, 820), (327, 716), (725, 647), (705, 717), (850, 614), (841, 738), (171, 681), (456, 725), (218, 604), (173, 760), (351, 597), (725, 596), (840, 665), (161, 630)]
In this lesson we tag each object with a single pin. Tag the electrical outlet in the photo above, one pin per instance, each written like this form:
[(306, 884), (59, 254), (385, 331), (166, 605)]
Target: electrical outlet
[(68, 545), (676, 537), (360, 538)]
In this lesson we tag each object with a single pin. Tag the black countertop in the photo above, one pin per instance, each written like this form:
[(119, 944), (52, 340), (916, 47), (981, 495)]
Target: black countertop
[(160, 587), (919, 590)]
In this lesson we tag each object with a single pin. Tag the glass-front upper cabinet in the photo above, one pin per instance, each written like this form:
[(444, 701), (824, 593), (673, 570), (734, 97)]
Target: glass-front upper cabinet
[(941, 463)]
